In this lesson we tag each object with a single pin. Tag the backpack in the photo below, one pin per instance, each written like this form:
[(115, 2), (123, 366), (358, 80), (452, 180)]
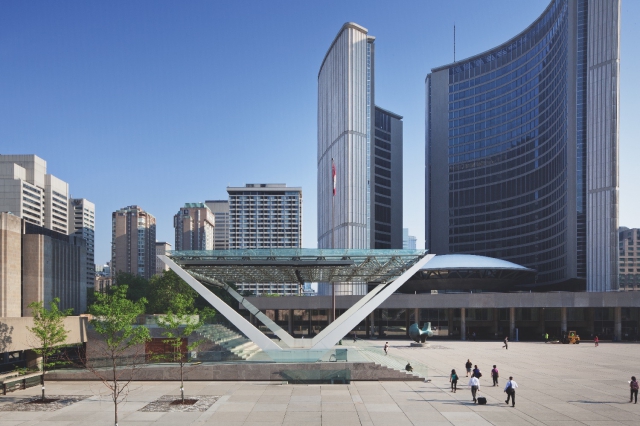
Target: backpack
[(509, 388), (634, 385), (454, 377)]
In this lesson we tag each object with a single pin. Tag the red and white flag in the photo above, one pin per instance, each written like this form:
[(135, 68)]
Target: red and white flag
[(333, 173)]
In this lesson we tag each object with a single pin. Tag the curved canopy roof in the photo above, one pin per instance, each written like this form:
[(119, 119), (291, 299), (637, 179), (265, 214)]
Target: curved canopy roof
[(296, 265), (470, 261), (468, 272)]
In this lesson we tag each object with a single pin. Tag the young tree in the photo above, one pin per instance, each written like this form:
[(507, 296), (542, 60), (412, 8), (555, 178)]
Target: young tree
[(114, 319), (181, 320), (49, 332)]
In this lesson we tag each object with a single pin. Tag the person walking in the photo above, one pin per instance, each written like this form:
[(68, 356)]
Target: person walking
[(453, 379), (468, 366), (510, 389), (633, 386), (474, 383), (494, 375), (506, 343), (386, 346), (473, 335), (476, 372), (546, 337), (596, 341)]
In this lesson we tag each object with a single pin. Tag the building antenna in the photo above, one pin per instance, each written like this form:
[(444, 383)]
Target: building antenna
[(454, 42)]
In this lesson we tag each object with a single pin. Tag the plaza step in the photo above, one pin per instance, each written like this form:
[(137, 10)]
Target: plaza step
[(229, 340), (378, 356)]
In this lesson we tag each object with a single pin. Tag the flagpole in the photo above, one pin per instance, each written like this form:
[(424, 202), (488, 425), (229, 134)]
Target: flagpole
[(333, 243)]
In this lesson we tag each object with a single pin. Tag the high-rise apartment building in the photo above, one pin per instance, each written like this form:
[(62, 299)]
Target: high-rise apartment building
[(363, 144), (220, 210), (133, 242), (264, 216), (82, 222), (27, 191), (161, 249), (194, 225), (522, 148), (629, 252)]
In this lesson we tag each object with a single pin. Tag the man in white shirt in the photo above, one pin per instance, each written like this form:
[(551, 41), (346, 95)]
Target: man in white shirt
[(510, 389), (475, 386)]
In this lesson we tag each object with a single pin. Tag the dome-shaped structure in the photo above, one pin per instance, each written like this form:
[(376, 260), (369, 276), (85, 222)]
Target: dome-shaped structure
[(466, 272)]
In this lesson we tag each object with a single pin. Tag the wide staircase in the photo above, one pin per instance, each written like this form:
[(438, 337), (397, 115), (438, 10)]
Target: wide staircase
[(229, 340), (377, 355)]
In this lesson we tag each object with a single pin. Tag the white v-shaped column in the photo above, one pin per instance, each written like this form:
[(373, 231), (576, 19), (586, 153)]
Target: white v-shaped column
[(325, 339)]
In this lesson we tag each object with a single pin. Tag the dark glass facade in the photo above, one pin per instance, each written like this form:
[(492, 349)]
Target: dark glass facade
[(387, 169), (514, 191)]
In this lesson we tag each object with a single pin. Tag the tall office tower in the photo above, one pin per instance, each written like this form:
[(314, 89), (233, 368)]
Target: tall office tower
[(194, 225), (133, 242), (265, 216), (522, 149), (409, 242), (27, 191), (82, 222), (629, 251), (364, 144), (220, 210), (161, 249)]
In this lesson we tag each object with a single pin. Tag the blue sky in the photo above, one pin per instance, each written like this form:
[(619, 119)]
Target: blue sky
[(159, 103)]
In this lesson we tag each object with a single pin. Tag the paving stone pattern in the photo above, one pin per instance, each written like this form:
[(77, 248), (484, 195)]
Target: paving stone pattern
[(559, 385)]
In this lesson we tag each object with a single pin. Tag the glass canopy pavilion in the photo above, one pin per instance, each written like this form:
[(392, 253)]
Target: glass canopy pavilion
[(386, 269)]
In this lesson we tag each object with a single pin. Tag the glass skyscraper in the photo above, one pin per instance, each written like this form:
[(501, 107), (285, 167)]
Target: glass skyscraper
[(522, 146)]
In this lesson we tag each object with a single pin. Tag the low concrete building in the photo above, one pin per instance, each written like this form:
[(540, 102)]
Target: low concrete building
[(38, 264), (16, 342), (53, 265)]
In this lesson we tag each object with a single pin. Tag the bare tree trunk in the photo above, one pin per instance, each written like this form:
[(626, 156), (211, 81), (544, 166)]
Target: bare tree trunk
[(44, 364), (115, 390), (182, 379)]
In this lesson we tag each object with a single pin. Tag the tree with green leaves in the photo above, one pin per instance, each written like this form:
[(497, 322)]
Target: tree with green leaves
[(137, 286), (180, 322), (114, 318), (163, 288), (49, 333)]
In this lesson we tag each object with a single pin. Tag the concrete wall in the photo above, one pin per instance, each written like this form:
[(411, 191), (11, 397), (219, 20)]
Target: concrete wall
[(10, 265), (14, 335), (54, 267)]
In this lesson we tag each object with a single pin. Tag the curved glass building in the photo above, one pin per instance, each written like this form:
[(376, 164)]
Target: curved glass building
[(522, 146), (359, 154)]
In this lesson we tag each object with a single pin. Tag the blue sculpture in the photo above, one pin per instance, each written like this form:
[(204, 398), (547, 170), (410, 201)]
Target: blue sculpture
[(418, 335)]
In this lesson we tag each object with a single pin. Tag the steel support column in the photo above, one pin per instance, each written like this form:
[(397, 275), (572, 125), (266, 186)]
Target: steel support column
[(617, 324), (512, 323), (463, 324)]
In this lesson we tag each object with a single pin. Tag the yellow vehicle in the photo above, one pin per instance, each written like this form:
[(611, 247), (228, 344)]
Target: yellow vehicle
[(572, 337)]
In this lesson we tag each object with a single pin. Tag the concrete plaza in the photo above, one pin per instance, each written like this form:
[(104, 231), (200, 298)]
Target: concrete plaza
[(558, 384)]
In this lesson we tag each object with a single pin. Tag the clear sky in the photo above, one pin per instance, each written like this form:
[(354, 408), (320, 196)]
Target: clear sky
[(158, 103)]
